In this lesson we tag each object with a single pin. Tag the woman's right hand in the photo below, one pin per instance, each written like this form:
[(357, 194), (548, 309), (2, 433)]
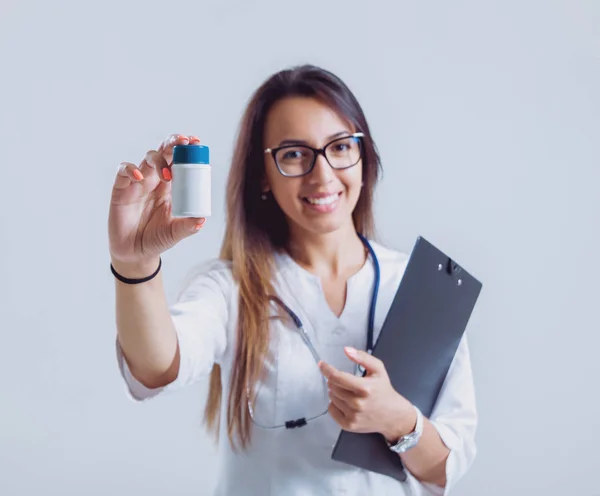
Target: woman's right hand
[(140, 225)]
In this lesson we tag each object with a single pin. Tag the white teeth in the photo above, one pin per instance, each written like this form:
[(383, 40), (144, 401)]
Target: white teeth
[(327, 200)]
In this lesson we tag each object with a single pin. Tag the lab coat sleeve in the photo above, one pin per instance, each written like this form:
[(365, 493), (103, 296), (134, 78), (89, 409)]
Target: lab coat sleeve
[(200, 315), (455, 419)]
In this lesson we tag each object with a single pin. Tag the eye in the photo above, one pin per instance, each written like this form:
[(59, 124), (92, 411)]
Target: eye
[(292, 154)]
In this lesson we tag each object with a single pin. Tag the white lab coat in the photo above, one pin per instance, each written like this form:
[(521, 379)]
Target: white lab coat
[(297, 462)]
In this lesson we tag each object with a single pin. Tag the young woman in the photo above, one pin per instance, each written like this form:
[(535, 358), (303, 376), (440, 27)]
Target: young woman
[(280, 320)]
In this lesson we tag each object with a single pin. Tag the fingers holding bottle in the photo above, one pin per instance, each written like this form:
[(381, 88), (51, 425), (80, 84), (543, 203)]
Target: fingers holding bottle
[(165, 149), (158, 203), (127, 173)]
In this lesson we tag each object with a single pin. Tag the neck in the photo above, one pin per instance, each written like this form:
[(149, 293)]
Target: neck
[(328, 255)]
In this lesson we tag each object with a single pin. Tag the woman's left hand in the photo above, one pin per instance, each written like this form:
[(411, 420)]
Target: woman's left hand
[(369, 403)]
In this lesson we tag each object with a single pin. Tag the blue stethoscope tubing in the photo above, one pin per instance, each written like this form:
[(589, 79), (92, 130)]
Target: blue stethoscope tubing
[(377, 270)]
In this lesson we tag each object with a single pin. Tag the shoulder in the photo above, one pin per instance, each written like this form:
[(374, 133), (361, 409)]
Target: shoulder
[(214, 274), (389, 255), (391, 261), (392, 265)]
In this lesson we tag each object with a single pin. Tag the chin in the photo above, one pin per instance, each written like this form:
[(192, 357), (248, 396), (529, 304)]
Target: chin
[(322, 225), (323, 229)]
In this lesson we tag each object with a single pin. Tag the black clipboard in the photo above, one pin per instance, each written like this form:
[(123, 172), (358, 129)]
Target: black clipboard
[(417, 343)]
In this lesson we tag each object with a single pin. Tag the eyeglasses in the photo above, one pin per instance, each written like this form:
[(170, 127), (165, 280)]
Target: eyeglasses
[(299, 160)]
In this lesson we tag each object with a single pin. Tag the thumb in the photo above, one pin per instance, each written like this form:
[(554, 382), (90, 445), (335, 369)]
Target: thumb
[(184, 227), (372, 364)]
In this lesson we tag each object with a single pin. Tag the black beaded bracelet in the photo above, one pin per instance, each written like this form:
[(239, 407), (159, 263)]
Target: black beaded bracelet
[(126, 280)]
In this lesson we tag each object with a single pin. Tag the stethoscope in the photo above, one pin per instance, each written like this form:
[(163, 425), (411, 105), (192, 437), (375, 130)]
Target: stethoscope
[(290, 424)]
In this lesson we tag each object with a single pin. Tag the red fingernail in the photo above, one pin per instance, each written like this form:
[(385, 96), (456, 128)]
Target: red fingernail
[(167, 174), (195, 139), (138, 175)]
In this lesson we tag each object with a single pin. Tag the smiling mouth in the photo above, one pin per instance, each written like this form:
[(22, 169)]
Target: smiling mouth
[(324, 200)]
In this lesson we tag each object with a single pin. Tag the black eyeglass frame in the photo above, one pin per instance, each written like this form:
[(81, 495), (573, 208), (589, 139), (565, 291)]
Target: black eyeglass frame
[(316, 153)]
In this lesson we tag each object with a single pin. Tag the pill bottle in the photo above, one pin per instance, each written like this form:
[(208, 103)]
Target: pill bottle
[(190, 181)]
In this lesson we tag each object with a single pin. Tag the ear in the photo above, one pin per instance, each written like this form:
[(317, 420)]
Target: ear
[(264, 184)]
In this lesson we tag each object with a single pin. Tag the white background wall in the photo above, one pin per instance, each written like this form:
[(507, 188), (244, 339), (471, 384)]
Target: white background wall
[(487, 118)]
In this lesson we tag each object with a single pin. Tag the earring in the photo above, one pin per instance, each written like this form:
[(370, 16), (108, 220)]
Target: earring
[(263, 196)]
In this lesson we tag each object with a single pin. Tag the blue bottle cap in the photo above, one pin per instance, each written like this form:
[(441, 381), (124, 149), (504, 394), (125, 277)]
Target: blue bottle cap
[(191, 154)]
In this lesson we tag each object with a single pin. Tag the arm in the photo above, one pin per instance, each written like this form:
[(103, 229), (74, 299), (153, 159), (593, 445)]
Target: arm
[(370, 404), (162, 348), (145, 330), (427, 460), (447, 448)]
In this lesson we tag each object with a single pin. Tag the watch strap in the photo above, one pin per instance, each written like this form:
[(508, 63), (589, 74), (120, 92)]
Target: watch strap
[(409, 440)]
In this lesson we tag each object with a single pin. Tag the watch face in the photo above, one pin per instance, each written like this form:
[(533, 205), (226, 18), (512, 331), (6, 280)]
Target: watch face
[(406, 443), (410, 440)]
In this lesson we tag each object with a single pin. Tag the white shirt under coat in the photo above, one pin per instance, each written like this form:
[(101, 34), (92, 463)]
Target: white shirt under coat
[(297, 462)]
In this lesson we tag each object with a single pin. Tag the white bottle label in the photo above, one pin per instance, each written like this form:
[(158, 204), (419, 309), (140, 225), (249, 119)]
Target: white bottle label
[(190, 190)]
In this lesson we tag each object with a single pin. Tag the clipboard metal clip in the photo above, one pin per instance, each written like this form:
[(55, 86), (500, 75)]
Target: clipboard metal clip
[(452, 267)]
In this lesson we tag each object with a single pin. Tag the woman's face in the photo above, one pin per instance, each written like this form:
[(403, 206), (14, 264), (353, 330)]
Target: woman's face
[(323, 200)]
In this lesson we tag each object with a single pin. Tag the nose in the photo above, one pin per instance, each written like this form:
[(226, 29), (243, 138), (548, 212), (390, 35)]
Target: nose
[(322, 172)]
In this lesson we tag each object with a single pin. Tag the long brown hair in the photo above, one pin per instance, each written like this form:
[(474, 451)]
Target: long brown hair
[(256, 228)]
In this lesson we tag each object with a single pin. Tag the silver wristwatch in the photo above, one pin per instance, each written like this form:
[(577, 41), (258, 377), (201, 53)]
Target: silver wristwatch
[(410, 440)]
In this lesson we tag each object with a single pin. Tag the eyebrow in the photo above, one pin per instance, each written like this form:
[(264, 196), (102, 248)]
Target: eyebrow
[(303, 142)]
